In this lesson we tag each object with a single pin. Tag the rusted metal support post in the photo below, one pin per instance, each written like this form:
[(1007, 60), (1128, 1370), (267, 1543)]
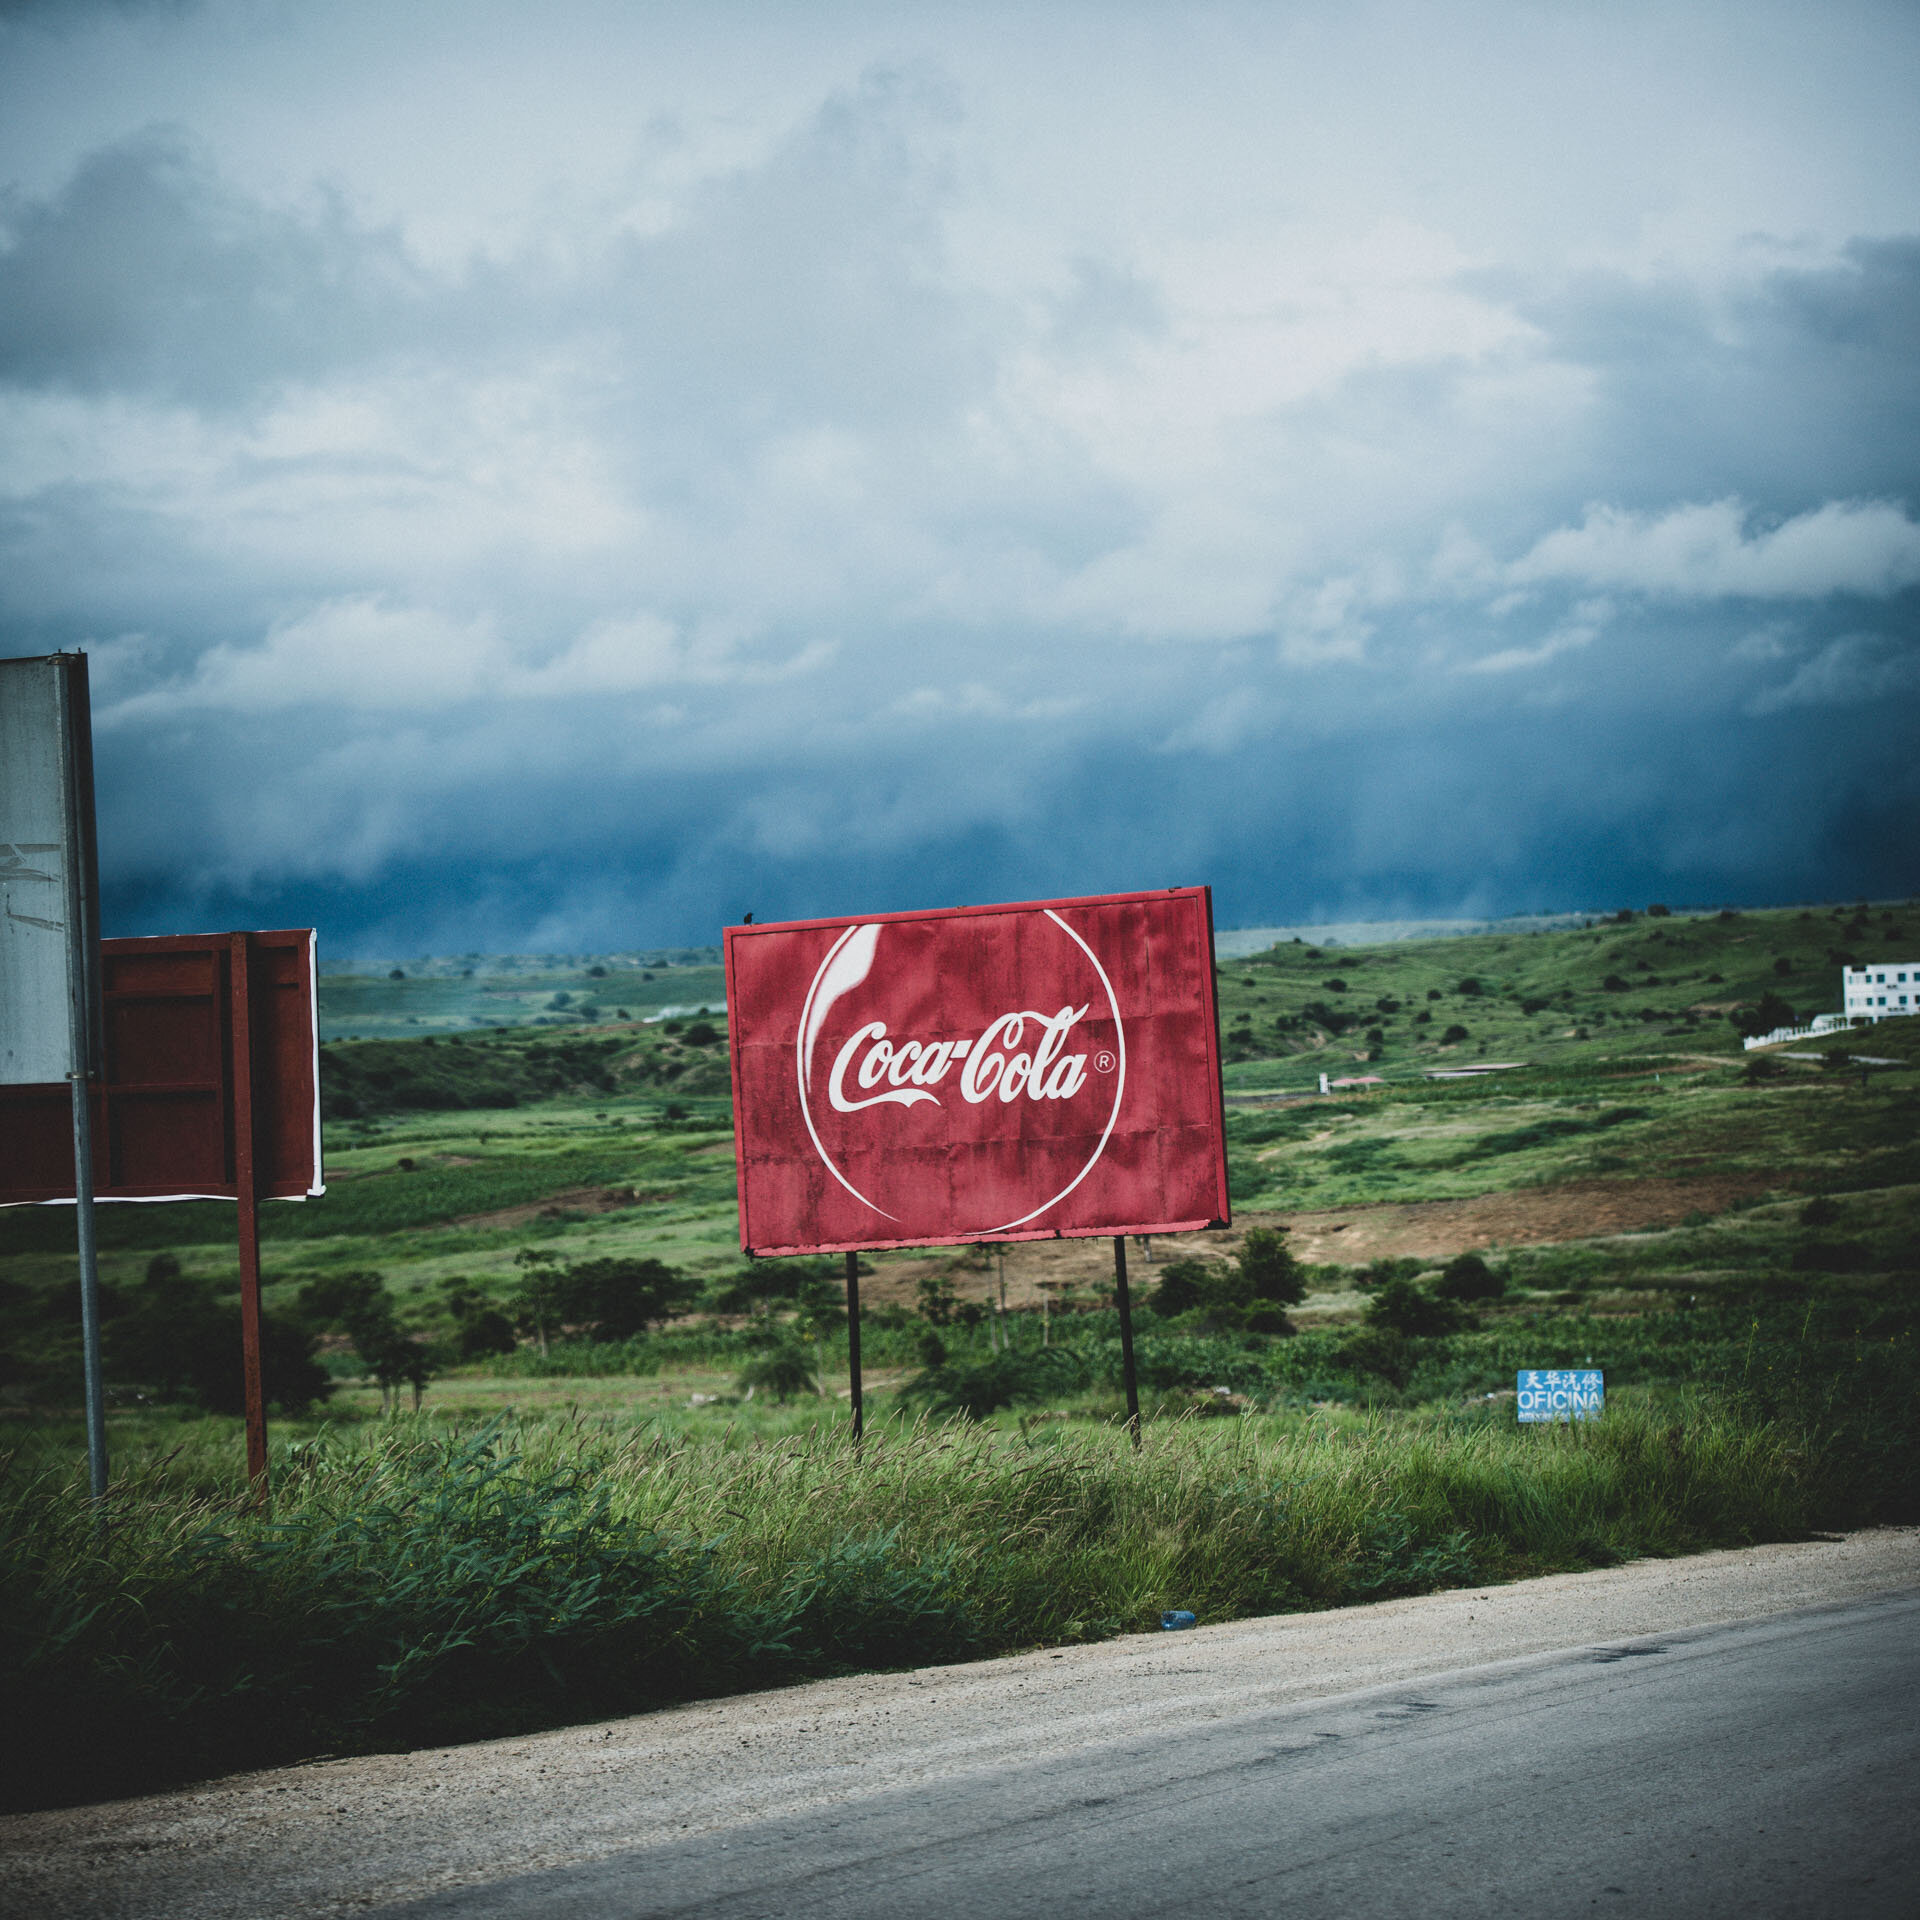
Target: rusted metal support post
[(1125, 1304), (246, 1190), (853, 1344)]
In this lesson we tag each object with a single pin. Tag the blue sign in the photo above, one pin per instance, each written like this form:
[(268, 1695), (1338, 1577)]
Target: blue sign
[(1562, 1393)]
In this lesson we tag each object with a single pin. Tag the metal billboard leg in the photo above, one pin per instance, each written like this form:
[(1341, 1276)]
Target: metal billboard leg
[(853, 1344), (1125, 1304), (246, 1192)]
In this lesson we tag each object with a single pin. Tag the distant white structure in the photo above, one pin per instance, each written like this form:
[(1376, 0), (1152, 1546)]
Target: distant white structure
[(1819, 1024), (1868, 995), (1881, 992)]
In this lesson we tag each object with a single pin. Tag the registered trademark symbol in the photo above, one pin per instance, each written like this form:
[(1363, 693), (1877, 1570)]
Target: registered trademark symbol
[(1104, 1062)]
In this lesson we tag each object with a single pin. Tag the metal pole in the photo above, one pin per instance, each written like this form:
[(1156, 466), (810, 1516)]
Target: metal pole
[(89, 1284), (853, 1344), (1125, 1305), (81, 931), (246, 1191)]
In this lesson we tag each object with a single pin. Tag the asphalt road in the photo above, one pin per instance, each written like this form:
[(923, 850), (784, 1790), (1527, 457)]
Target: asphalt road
[(1767, 1767), (1487, 1749)]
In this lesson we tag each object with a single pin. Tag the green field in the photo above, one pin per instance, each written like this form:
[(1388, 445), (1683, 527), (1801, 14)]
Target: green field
[(449, 1153), (1734, 1238), (480, 991)]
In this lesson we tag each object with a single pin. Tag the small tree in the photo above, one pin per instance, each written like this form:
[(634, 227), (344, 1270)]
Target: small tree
[(176, 1335), (1401, 1307), (1271, 1272), (615, 1299), (781, 1370), (360, 1305), (1468, 1277), (937, 1300), (396, 1359), (536, 1300), (485, 1332), (1770, 1012), (1184, 1285)]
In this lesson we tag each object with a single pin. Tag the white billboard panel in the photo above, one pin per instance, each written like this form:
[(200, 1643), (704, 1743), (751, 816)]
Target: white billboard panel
[(47, 884)]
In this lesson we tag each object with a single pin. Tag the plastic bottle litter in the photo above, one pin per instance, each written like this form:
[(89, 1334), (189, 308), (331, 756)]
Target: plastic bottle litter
[(1179, 1617)]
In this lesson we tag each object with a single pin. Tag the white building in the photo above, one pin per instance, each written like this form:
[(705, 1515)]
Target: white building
[(1868, 994), (1882, 992)]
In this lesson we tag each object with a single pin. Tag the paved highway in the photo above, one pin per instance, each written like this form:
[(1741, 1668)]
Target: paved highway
[(1768, 1767), (1518, 1749)]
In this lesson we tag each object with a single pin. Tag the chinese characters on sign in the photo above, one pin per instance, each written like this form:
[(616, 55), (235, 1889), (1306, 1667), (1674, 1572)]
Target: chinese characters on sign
[(1562, 1393)]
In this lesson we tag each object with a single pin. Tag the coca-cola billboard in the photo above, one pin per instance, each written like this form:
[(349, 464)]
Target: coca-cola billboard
[(980, 1073)]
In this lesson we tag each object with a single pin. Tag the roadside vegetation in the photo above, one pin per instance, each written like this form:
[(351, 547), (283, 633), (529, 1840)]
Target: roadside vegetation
[(546, 1449)]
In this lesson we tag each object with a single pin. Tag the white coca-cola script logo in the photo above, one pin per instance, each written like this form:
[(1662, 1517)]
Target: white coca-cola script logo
[(1021, 1056)]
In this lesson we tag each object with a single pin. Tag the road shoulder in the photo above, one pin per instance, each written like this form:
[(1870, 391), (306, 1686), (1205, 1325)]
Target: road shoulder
[(336, 1837)]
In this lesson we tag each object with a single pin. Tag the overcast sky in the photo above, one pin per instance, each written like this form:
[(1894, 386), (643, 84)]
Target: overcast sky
[(561, 476)]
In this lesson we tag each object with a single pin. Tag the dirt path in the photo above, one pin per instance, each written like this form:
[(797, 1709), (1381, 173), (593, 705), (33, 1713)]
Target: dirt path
[(341, 1836), (1421, 1229)]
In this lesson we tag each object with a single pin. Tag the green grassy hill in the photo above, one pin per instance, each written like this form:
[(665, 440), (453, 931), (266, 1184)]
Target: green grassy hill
[(1646, 986), (451, 1152), (509, 990)]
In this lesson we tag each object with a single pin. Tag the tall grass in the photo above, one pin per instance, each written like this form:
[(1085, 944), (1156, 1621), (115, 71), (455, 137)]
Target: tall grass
[(423, 1585)]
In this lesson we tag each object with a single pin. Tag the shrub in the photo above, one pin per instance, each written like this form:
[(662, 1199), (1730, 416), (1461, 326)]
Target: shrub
[(1468, 1277), (485, 1332), (1453, 1035), (1770, 1012), (1820, 1211), (1381, 1353), (937, 1300), (1184, 1285), (781, 1371), (180, 1340), (978, 1388), (614, 1299), (1469, 986), (1272, 1274), (1830, 1256), (1403, 1308)]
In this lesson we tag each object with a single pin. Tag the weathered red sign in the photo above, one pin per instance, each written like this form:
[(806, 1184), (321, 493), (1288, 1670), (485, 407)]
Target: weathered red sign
[(210, 1083), (980, 1073)]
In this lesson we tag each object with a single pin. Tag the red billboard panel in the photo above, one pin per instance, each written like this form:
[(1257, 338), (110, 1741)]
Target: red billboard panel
[(980, 1073), (185, 1016)]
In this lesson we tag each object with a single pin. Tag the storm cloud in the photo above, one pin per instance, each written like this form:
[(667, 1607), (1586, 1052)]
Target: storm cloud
[(565, 488)]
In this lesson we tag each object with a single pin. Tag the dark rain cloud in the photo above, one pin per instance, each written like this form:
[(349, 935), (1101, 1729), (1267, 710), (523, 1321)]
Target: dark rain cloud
[(144, 275), (597, 587)]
